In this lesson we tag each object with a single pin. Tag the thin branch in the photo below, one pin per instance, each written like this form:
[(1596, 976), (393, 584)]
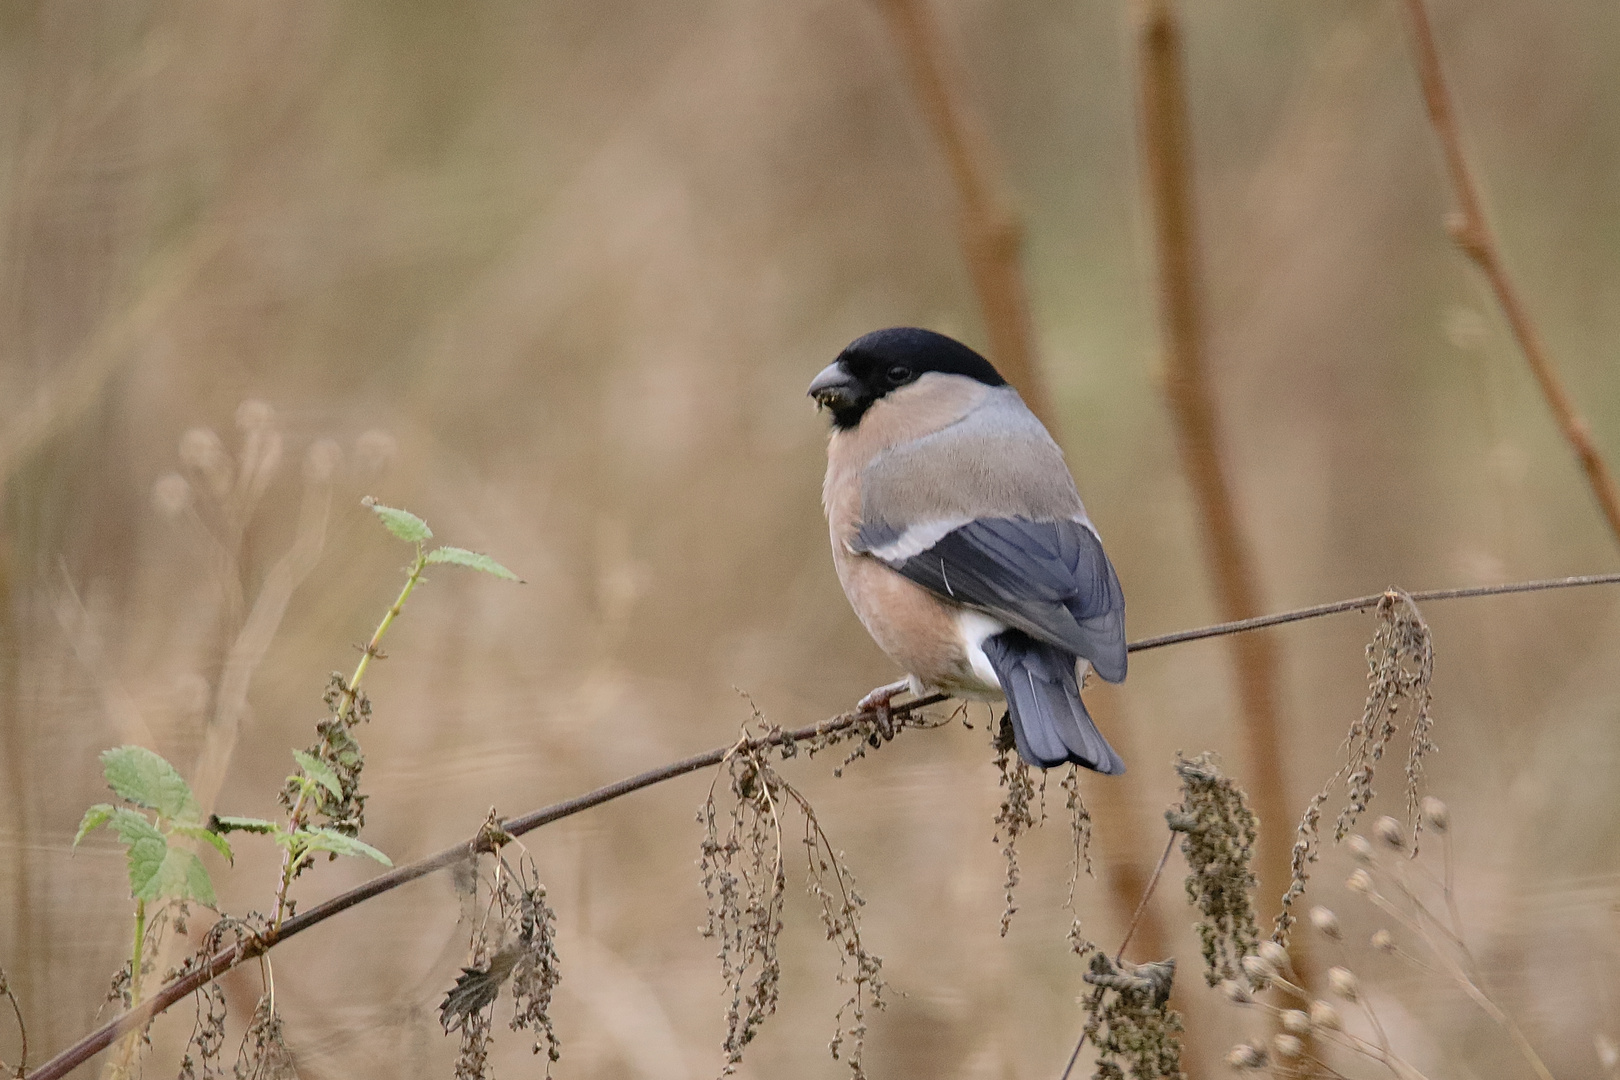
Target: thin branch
[(1130, 932), (22, 1028), (1167, 162), (1473, 233), (991, 235), (226, 959), (1362, 603), (1147, 894)]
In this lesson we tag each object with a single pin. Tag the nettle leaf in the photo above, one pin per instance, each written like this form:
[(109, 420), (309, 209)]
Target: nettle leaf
[(220, 824), (402, 523), (94, 818), (204, 833), (148, 851), (180, 875), (472, 560), (319, 771), (145, 779), (477, 987), (340, 844), (132, 827)]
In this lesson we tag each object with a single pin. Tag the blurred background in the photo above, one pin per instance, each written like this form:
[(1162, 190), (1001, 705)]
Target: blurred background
[(555, 276)]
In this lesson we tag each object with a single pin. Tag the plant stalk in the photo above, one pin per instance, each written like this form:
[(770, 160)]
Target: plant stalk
[(296, 817), (1472, 231), (213, 967)]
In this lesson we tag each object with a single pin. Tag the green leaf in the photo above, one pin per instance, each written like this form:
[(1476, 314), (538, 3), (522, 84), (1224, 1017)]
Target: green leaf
[(472, 560), (241, 824), (94, 818), (145, 779), (180, 875), (324, 839), (148, 850), (204, 833), (320, 772), (402, 523), (132, 827), (198, 884)]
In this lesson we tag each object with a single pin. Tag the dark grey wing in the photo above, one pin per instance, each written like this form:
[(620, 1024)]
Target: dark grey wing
[(1049, 579)]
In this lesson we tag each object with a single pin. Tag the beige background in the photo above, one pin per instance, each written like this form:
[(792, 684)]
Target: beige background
[(555, 276)]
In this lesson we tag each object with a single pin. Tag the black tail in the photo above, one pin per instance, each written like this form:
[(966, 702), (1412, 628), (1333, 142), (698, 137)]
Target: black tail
[(1049, 720)]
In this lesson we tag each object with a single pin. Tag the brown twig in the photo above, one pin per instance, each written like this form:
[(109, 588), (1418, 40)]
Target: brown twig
[(22, 1028), (1362, 603), (226, 959), (1167, 162), (991, 234), (1473, 234), (1147, 894), (1130, 932)]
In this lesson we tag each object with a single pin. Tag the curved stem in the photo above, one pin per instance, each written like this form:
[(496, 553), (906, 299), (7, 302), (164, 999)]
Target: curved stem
[(1147, 894), (226, 959), (1473, 233), (299, 813)]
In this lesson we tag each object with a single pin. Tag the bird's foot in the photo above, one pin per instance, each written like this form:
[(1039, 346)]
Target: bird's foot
[(877, 703)]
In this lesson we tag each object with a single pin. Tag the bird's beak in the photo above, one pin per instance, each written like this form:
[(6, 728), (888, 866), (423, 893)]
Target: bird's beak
[(834, 387)]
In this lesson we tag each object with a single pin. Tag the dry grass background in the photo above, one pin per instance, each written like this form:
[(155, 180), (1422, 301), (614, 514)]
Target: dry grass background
[(556, 275)]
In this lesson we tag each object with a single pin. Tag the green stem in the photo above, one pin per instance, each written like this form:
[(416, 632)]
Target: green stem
[(372, 647), (135, 958), (295, 819)]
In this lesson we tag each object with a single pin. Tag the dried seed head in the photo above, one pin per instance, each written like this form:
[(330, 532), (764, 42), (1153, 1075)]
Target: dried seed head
[(1218, 833), (1325, 1016), (201, 449), (254, 415), (1435, 814), (1295, 1021), (1360, 882), (1246, 1056), (1343, 982), (1608, 1054), (374, 450), (1383, 941), (1389, 832), (1287, 1047), (1259, 970), (1235, 992), (1360, 850), (171, 494), (1274, 954), (1326, 922), (325, 457)]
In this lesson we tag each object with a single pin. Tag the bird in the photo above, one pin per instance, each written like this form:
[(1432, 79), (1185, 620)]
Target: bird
[(961, 542)]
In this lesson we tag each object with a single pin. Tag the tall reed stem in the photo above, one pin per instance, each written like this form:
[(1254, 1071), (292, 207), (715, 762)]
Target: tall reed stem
[(1473, 233), (1167, 162)]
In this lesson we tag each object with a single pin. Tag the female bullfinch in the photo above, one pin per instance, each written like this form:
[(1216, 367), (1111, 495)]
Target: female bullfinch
[(962, 543)]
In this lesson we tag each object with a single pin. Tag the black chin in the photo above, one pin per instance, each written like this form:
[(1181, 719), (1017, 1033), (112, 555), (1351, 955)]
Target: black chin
[(847, 414)]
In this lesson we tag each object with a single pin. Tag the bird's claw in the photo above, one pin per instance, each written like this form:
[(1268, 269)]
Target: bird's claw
[(878, 704)]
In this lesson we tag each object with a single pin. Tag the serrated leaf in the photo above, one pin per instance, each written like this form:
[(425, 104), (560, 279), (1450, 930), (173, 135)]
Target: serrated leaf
[(472, 560), (402, 523), (198, 884), (477, 988), (337, 843), (146, 854), (209, 836), (133, 827), (222, 824), (94, 818), (320, 772), (180, 875), (145, 779)]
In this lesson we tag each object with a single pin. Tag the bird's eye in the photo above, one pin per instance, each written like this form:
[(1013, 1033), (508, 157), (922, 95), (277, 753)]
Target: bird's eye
[(899, 374)]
